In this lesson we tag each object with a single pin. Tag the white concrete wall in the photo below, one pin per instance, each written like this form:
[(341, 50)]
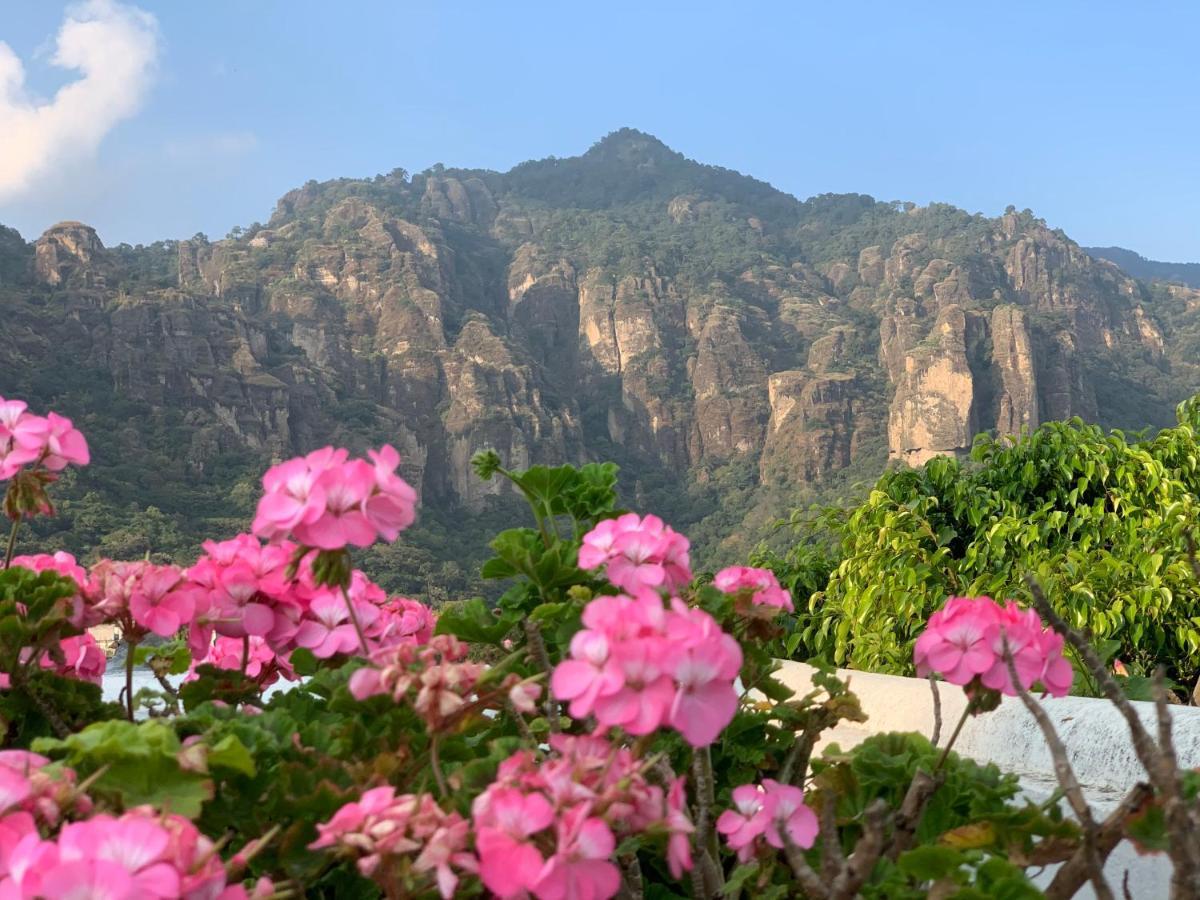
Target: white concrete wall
[(1094, 732)]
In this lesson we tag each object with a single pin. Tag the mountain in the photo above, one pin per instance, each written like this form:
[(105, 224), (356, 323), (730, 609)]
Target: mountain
[(1149, 269), (736, 349)]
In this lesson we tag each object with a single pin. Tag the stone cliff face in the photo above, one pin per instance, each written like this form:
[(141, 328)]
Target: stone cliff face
[(699, 320)]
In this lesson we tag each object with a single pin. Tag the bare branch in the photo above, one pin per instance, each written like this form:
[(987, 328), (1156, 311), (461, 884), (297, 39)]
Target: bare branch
[(537, 649), (866, 853), (908, 816), (1074, 872), (1066, 778), (937, 710), (632, 887), (1146, 751), (832, 859), (812, 884), (1180, 828)]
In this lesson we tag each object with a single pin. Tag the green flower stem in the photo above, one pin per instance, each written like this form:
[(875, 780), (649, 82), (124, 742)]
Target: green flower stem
[(953, 737), (12, 542), (435, 763), (362, 638), (130, 647)]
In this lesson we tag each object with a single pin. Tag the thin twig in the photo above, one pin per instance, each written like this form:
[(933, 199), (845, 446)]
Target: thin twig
[(866, 853), (1066, 777), (537, 649), (920, 790), (970, 708), (1180, 827), (832, 858), (937, 710), (1147, 752), (12, 542), (362, 638), (1182, 846), (795, 764), (1074, 872), (130, 646), (812, 884), (435, 763), (523, 727), (632, 887)]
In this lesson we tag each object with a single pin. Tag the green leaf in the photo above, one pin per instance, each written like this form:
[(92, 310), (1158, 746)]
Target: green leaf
[(303, 661), (231, 753), (474, 622), (930, 863), (141, 765)]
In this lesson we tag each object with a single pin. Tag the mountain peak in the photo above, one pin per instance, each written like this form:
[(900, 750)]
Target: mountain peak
[(631, 146)]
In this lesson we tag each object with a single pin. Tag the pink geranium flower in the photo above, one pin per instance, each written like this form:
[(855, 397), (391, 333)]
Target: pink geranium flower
[(135, 843), (761, 584), (330, 631), (786, 810), (329, 502), (156, 602), (588, 675), (64, 444), (766, 811), (505, 819), (964, 643), (581, 868), (638, 666), (292, 495), (958, 640), (746, 822), (637, 553), (83, 659), (392, 508), (444, 852), (62, 563)]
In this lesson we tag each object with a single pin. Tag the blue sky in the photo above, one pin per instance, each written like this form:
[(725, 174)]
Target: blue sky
[(1089, 113)]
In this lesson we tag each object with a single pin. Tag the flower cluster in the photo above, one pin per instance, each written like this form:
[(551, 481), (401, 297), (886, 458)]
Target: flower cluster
[(142, 597), (253, 657), (639, 665), (328, 501), (77, 656), (550, 827), (437, 677), (766, 596), (30, 793), (380, 827), (140, 854), (61, 562), (50, 441), (964, 643), (637, 554), (241, 588), (766, 812)]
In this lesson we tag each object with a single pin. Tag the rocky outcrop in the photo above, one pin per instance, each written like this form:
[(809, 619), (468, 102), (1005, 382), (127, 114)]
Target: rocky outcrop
[(1012, 353), (729, 382), (932, 411), (812, 430), (71, 252), (467, 200)]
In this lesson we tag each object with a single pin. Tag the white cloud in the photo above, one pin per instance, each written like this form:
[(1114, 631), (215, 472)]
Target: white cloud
[(205, 147), (114, 48)]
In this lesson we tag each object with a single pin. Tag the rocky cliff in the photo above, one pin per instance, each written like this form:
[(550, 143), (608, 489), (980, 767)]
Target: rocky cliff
[(687, 321)]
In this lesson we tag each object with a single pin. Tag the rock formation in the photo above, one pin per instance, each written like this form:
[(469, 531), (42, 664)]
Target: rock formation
[(627, 303)]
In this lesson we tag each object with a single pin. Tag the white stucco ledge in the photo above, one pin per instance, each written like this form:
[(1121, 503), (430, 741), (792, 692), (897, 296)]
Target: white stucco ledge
[(1094, 732)]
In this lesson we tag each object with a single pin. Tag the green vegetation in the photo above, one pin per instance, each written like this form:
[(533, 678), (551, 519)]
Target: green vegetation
[(1102, 522)]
